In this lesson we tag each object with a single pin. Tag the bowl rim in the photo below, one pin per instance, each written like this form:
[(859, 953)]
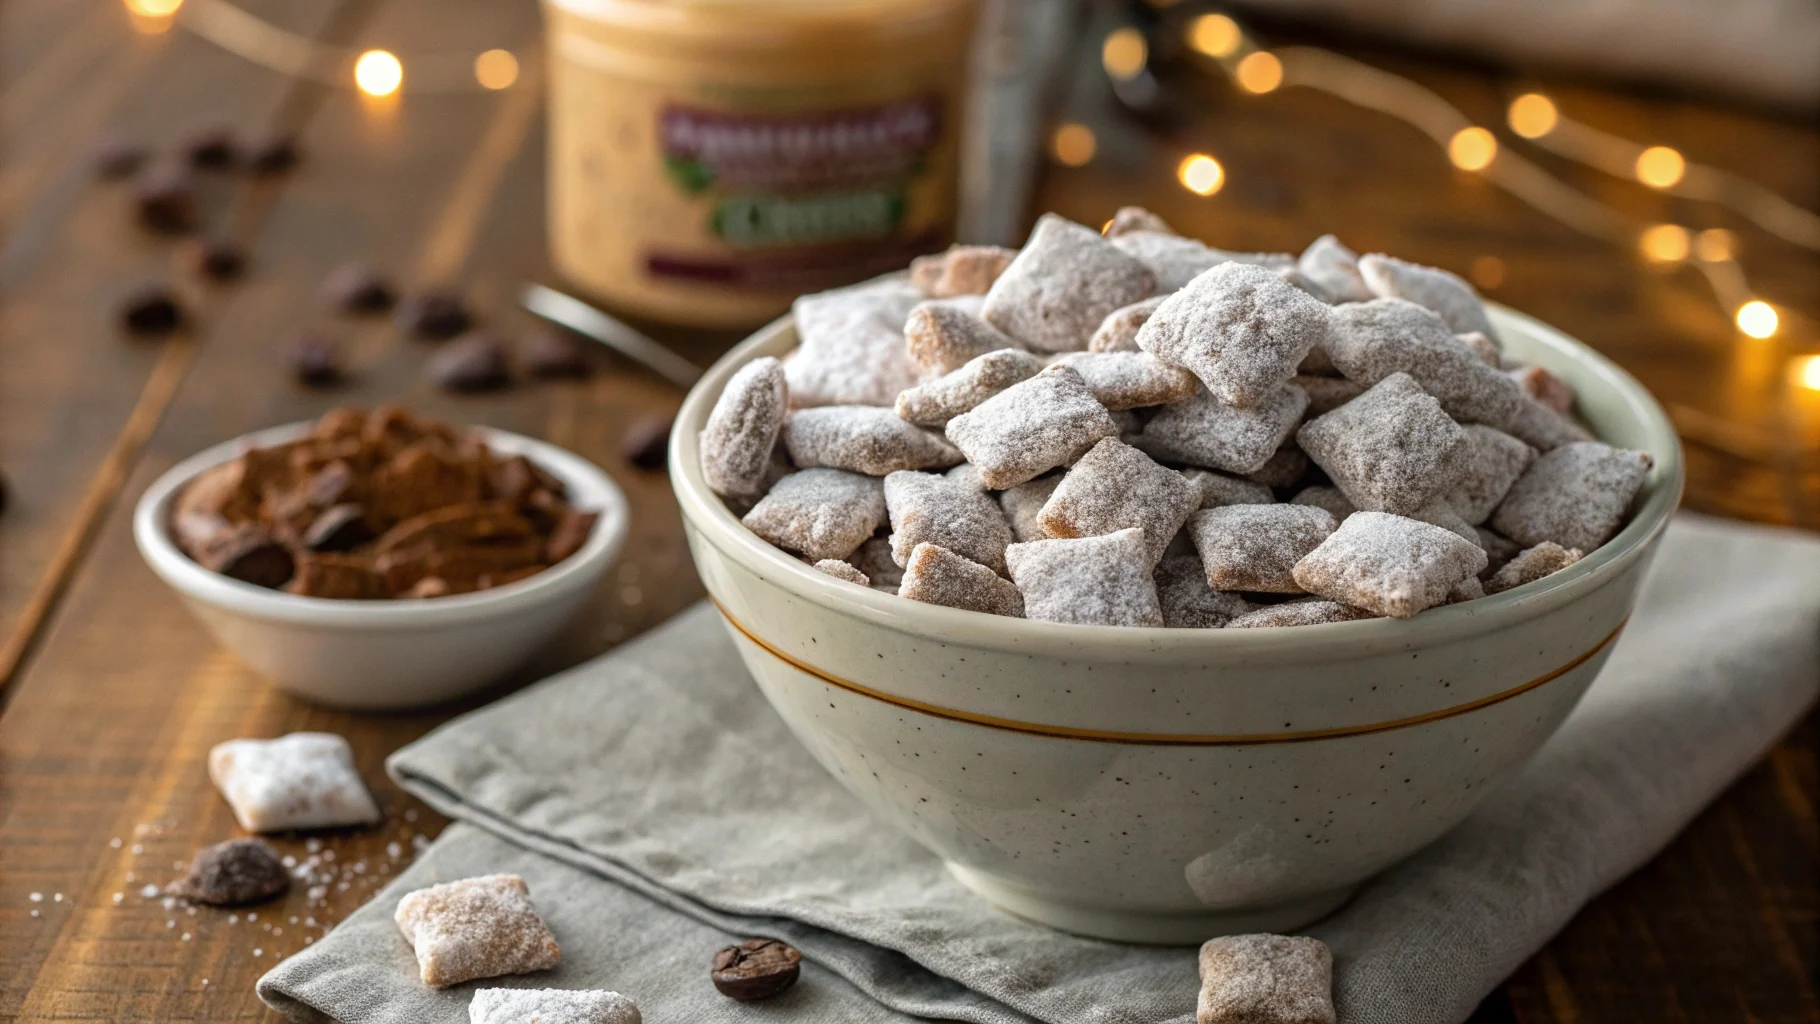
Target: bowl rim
[(717, 525), (586, 481)]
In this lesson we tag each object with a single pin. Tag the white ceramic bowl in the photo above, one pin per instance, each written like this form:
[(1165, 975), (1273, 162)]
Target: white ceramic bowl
[(386, 654), (1166, 785)]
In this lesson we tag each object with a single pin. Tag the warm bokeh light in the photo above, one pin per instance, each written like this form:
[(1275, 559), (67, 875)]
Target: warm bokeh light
[(1533, 115), (1664, 243), (1201, 174), (1715, 245), (1124, 52), (1758, 319), (1073, 144), (496, 69), (154, 8), (1804, 371), (1660, 167), (1487, 271), (378, 73), (1472, 149), (1215, 35), (1259, 72)]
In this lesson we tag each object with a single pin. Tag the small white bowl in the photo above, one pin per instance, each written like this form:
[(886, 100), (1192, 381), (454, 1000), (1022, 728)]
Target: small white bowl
[(386, 654), (1167, 785)]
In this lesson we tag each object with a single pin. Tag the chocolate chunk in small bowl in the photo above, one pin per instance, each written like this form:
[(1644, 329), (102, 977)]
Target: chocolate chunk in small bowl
[(151, 311), (756, 969), (474, 363), (357, 288), (435, 314), (248, 553), (316, 360), (231, 873), (338, 528)]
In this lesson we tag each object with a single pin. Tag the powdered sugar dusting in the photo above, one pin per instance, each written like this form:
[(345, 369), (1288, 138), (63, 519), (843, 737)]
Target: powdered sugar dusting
[(551, 1006), (1388, 564), (1207, 431), (1494, 461), (925, 508), (1255, 547), (1102, 580), (1241, 329), (863, 439), (936, 575), (1390, 449), (1372, 340), (1062, 284), (1031, 427), (1186, 599), (939, 338), (819, 513), (300, 781), (1444, 292), (1542, 560), (962, 270), (940, 400), (1575, 495), (742, 430), (1131, 380), (481, 927)]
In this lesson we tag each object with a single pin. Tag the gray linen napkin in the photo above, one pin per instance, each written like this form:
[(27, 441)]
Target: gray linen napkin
[(656, 805)]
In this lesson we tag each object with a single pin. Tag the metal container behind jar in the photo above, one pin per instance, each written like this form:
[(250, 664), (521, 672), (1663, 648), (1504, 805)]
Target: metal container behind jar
[(712, 159)]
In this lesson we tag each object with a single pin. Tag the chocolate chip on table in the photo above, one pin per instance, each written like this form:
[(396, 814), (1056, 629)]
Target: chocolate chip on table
[(151, 311), (356, 288), (164, 194), (215, 258), (756, 969), (273, 153), (209, 146), (436, 314), (647, 442), (316, 360), (231, 873), (474, 363), (117, 157), (553, 353), (338, 528)]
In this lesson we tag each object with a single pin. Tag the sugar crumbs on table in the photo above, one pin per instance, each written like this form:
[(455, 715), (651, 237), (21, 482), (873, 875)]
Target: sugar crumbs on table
[(482, 927)]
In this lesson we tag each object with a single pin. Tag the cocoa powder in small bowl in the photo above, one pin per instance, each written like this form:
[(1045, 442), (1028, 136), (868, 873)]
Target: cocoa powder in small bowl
[(374, 505)]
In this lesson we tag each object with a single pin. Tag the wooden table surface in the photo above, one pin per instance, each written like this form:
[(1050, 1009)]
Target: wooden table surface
[(113, 694)]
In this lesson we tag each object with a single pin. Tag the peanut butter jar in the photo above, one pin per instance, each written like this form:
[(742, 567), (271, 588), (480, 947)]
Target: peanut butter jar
[(710, 160)]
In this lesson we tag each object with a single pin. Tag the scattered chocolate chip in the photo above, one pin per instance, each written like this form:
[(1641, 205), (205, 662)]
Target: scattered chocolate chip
[(338, 528), (437, 313), (273, 153), (756, 969), (116, 157), (215, 258), (354, 288), (474, 363), (151, 311), (554, 353), (571, 532), (237, 871), (165, 196), (647, 442), (209, 146), (248, 553), (316, 360)]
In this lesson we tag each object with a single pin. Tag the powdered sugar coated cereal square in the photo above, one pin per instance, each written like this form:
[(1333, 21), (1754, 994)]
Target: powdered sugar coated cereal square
[(1218, 489), (1494, 461), (301, 781), (1330, 498), (1136, 218), (1330, 264), (819, 513), (1543, 560), (873, 559), (1102, 580), (1325, 394), (742, 430), (1265, 979), (936, 575), (551, 1006), (1372, 340), (1575, 495), (1118, 332), (1176, 260), (1031, 427), (1256, 547), (1116, 487), (925, 508), (483, 927), (851, 346), (940, 400), (961, 270), (1024, 503), (940, 338), (1391, 449), (864, 439), (1443, 291), (1131, 380), (1541, 427), (1240, 328), (1388, 564), (1061, 285), (1207, 431), (1301, 612), (1186, 599), (844, 571)]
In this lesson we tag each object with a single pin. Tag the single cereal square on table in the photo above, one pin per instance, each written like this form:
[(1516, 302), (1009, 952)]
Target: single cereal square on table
[(1265, 979), (482, 927), (551, 1006), (304, 780)]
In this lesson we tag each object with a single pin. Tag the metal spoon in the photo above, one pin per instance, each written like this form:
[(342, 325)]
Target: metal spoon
[(617, 335)]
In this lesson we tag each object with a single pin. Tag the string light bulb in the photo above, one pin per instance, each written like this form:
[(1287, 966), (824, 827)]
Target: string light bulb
[(1715, 245), (1073, 144), (1758, 319), (1533, 115), (1201, 174), (1215, 35), (496, 69), (1804, 372), (1259, 72), (154, 8), (1660, 167), (1472, 149), (378, 73), (1124, 53), (1664, 243)]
